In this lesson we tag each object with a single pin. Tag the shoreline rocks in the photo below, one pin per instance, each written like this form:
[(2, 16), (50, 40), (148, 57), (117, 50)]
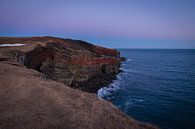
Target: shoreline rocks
[(123, 59)]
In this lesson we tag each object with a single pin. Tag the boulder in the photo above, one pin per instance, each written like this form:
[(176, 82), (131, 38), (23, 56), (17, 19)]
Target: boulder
[(123, 59)]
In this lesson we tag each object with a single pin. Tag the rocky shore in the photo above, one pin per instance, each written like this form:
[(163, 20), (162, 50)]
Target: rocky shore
[(43, 80)]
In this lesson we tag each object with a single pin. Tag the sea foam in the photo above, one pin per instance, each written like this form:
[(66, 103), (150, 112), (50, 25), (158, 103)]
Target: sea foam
[(108, 90)]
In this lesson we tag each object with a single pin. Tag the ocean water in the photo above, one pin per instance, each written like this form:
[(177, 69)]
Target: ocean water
[(156, 86)]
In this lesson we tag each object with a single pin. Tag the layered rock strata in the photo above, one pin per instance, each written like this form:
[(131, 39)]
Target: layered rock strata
[(75, 63)]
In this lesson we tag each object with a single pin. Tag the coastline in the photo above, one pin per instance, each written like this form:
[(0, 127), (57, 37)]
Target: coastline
[(27, 80)]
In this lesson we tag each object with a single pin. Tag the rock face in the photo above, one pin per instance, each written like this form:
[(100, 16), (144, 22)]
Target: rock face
[(33, 93), (75, 63), (28, 101)]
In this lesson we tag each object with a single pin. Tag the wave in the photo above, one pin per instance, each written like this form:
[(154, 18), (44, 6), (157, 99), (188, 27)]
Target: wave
[(108, 90), (128, 70), (129, 60)]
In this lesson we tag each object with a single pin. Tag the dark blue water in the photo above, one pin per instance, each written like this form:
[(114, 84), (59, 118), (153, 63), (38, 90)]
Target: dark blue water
[(157, 87)]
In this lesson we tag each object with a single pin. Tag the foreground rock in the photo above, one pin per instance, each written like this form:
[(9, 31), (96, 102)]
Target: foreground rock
[(75, 63), (28, 101)]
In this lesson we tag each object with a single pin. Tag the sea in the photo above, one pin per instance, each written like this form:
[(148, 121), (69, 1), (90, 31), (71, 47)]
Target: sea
[(157, 86)]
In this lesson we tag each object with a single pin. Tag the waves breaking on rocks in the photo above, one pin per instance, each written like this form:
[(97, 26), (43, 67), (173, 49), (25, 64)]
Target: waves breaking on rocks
[(107, 91)]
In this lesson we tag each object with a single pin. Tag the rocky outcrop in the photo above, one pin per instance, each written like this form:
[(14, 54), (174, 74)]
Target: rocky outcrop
[(75, 63), (123, 59), (28, 101)]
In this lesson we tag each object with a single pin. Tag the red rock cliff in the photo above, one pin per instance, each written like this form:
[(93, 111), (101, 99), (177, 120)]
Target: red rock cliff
[(75, 63)]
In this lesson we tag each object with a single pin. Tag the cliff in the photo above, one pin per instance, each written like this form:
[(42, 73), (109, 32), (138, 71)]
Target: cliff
[(36, 80), (75, 63)]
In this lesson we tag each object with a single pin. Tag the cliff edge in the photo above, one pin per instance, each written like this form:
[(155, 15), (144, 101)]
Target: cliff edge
[(73, 62)]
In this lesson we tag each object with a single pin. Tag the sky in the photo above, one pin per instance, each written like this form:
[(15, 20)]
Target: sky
[(110, 23)]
